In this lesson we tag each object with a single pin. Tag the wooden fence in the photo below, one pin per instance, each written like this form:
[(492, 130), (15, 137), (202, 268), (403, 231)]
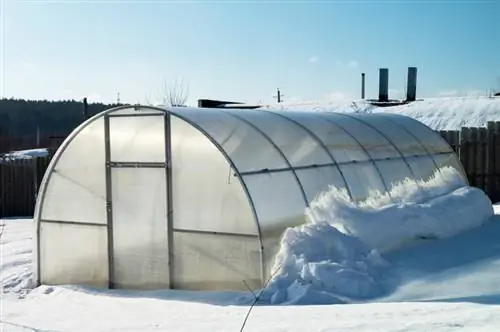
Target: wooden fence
[(19, 183), (479, 151)]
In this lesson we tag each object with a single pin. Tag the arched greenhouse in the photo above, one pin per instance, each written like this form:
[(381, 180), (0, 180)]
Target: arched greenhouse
[(143, 197)]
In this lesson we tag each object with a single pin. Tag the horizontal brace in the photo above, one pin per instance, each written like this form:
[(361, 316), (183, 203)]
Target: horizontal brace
[(133, 115), (78, 223), (133, 164), (288, 169), (191, 231)]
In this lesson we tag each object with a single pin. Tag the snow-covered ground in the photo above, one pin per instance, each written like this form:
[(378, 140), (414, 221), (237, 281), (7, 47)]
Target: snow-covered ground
[(437, 113), (432, 285), (26, 154)]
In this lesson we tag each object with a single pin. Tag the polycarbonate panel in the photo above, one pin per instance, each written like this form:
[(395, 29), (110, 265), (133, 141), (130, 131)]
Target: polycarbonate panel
[(73, 254), (279, 204), (341, 146), (318, 180), (76, 188), (216, 262), (375, 144), (450, 167), (395, 172), (138, 138), (140, 238), (433, 142), (239, 140), (207, 194), (363, 179), (298, 146), (134, 111), (405, 142), (423, 168)]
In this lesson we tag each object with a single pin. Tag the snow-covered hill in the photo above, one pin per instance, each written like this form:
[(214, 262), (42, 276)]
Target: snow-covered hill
[(437, 113)]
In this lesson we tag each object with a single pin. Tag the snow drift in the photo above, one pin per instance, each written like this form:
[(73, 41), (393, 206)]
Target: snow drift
[(336, 256)]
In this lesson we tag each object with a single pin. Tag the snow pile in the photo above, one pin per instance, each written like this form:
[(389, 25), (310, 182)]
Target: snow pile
[(335, 257), (26, 154)]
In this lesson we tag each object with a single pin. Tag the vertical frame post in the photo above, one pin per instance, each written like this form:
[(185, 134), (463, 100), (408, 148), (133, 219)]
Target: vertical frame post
[(169, 202), (109, 207)]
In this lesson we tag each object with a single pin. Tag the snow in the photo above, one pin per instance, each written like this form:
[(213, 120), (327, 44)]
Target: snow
[(437, 113), (336, 256), (26, 154)]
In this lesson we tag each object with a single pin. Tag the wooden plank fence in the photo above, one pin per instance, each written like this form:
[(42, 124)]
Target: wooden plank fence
[(19, 183), (479, 151)]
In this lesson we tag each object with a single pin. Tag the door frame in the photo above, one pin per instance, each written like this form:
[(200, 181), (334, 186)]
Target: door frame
[(167, 165)]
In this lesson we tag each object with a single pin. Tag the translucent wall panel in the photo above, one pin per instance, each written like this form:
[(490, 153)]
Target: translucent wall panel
[(405, 142), (449, 162), (211, 261), (341, 145), (318, 180), (140, 235), (207, 194), (375, 144), (362, 179), (76, 188), (236, 138), (394, 173), (433, 142), (279, 204), (73, 254), (137, 138), (423, 168), (298, 146)]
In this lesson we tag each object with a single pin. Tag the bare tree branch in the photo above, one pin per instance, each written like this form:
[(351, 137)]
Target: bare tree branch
[(175, 94)]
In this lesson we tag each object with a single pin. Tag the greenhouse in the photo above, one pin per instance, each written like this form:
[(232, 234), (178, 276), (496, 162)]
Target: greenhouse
[(141, 197)]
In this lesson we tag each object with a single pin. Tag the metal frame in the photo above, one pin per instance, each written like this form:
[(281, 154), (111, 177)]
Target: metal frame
[(320, 143), (77, 223), (192, 231), (136, 164), (109, 202), (170, 207), (172, 112), (431, 155), (280, 152), (132, 115), (402, 156), (370, 159), (285, 169)]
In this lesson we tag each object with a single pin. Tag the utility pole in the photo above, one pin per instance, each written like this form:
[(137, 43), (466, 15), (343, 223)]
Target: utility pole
[(279, 96), (118, 98)]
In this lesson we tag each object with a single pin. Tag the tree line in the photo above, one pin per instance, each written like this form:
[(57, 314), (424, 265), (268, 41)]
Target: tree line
[(20, 117)]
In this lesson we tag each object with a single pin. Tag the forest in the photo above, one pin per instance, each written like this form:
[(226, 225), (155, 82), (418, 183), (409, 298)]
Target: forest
[(19, 117)]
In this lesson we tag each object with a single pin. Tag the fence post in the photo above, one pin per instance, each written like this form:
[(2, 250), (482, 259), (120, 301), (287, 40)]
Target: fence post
[(465, 152), (496, 162), (481, 161)]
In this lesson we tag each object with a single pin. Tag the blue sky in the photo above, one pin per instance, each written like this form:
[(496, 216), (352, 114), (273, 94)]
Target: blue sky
[(244, 50)]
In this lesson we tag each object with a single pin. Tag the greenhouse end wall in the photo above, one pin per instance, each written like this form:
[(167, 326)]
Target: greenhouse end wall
[(149, 198)]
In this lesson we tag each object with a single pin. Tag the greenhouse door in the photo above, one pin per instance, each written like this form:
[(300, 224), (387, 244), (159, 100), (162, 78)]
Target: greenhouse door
[(137, 174)]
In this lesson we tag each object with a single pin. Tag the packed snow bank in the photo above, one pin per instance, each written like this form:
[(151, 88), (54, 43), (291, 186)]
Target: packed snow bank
[(443, 208), (26, 154), (335, 257)]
